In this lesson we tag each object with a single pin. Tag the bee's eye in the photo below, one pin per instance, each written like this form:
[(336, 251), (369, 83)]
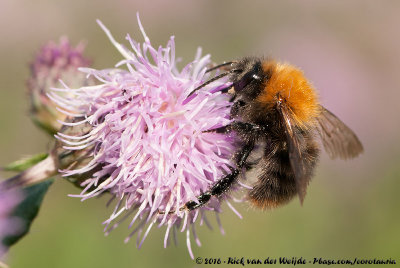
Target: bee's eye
[(244, 81)]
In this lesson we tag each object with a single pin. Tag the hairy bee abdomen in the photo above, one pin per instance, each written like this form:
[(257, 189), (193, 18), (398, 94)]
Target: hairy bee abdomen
[(276, 184)]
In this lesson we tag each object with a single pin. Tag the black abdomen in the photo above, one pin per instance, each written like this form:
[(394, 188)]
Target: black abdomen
[(275, 184)]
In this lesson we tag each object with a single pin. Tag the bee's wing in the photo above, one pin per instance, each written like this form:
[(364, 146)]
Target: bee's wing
[(338, 139), (294, 139)]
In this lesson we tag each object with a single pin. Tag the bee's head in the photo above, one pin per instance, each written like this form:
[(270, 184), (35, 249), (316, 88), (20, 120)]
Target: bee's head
[(248, 77)]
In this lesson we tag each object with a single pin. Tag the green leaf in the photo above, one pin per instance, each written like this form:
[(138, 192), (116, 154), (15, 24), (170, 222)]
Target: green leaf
[(25, 163), (28, 209)]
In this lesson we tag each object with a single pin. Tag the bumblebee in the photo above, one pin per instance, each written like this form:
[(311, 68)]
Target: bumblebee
[(277, 118)]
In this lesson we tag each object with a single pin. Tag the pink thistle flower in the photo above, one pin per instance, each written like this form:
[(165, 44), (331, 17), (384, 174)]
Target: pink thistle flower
[(52, 63), (147, 140), (9, 225)]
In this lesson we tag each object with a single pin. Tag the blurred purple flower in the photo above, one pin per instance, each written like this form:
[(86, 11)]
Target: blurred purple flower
[(146, 139), (52, 63), (9, 225)]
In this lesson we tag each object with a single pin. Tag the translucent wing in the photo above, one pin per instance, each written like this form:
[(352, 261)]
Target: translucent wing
[(337, 138), (294, 141)]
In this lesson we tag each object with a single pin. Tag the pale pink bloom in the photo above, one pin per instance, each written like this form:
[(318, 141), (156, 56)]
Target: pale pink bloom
[(148, 139)]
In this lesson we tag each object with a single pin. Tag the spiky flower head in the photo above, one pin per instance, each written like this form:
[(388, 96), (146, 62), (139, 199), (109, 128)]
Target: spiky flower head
[(54, 62), (146, 139)]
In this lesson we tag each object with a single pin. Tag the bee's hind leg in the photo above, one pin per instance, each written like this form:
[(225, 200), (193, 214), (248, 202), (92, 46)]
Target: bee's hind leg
[(222, 185)]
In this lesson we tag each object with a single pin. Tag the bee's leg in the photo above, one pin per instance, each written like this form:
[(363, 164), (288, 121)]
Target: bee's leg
[(239, 127), (224, 183), (226, 89), (224, 129), (243, 129)]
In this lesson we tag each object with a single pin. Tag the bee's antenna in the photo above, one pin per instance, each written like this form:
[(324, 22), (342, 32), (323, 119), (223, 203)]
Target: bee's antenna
[(220, 65), (213, 79)]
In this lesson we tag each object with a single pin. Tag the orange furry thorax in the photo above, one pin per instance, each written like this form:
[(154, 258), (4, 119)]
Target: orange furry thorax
[(289, 85)]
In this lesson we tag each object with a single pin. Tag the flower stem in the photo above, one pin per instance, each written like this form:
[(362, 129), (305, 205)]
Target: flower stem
[(42, 171)]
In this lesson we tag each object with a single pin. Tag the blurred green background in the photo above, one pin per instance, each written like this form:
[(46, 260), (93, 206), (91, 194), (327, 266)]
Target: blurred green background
[(349, 49)]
